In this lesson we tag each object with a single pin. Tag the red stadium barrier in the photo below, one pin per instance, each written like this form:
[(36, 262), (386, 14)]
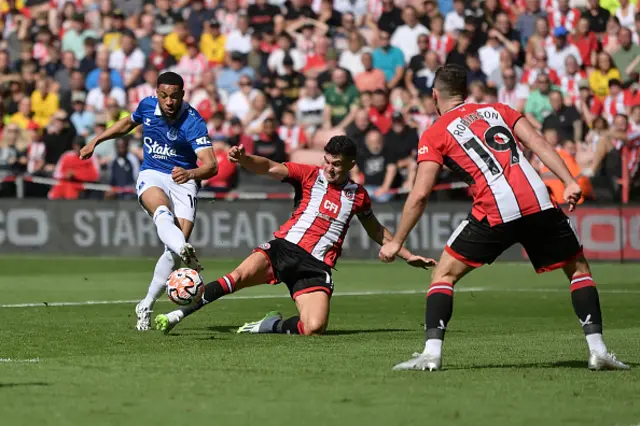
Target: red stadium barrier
[(232, 195)]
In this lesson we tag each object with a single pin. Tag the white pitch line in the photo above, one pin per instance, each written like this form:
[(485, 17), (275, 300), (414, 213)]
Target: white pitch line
[(22, 361), (234, 297), (340, 294)]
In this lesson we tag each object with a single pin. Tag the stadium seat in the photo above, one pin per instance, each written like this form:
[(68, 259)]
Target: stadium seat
[(307, 156)]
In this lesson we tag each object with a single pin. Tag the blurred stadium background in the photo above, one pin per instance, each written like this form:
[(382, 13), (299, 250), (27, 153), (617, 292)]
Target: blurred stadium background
[(282, 77)]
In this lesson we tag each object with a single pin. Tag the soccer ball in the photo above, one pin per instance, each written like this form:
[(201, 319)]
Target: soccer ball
[(184, 286)]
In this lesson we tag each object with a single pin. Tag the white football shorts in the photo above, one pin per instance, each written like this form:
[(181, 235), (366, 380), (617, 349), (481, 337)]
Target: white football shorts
[(183, 197)]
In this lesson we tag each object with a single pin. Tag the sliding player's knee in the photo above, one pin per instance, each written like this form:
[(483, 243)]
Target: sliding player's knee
[(314, 326)]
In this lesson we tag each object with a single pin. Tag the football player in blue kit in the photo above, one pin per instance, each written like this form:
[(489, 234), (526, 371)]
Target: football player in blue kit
[(175, 137)]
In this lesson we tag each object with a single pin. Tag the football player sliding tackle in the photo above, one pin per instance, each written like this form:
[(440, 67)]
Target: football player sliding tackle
[(175, 138), (307, 246), (511, 205)]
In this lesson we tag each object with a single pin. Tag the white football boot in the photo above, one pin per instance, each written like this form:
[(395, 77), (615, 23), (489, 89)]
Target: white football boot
[(188, 256), (420, 361), (598, 361), (265, 325), (144, 318)]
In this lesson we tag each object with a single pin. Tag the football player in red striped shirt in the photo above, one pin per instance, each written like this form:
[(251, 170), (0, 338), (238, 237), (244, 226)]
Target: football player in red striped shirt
[(307, 246), (483, 143)]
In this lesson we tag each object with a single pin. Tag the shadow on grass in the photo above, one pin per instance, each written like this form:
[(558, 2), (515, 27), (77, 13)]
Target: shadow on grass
[(233, 328), (223, 328), (26, 384), (365, 331), (582, 364)]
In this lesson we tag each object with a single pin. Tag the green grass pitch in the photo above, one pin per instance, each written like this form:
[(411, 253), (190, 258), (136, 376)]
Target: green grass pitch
[(514, 354)]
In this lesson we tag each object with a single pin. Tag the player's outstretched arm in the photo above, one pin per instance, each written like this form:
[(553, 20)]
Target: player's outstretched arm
[(120, 128), (382, 235), (258, 165), (531, 139), (426, 177)]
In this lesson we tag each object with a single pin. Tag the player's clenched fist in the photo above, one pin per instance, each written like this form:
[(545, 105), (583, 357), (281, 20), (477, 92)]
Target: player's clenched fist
[(180, 175), (389, 251), (87, 151), (236, 153)]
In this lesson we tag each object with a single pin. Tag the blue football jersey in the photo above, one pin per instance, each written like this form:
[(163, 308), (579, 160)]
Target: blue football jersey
[(170, 144)]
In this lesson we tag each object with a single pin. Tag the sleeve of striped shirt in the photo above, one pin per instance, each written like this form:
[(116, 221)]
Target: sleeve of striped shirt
[(364, 210), (428, 149), (509, 115), (299, 172)]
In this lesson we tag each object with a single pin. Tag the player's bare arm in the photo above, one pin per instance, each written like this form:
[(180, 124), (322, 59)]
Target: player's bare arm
[(120, 128), (426, 177), (382, 235), (207, 170), (531, 139), (258, 165)]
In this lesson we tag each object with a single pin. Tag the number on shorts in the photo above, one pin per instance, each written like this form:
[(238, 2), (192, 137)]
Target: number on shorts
[(193, 201)]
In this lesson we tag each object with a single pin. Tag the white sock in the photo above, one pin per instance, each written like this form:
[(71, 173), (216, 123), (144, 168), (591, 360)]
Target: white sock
[(433, 347), (169, 233), (175, 316), (596, 343), (166, 264)]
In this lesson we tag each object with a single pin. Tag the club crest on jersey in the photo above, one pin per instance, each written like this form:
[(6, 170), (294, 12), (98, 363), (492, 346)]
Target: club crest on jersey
[(264, 246), (172, 134), (350, 195)]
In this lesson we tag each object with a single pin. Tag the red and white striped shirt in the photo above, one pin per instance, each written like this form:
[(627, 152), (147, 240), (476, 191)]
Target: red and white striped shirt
[(550, 5), (424, 121), (138, 93), (305, 46), (633, 149), (191, 70), (514, 96), (35, 156), (322, 212), (374, 9), (293, 137), (568, 20), (614, 105), (228, 21), (529, 76), (442, 45), (479, 140), (59, 4), (41, 53), (569, 85)]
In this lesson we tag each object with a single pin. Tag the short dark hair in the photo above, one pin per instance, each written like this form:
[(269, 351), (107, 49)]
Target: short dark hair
[(341, 145), (451, 81), (170, 79)]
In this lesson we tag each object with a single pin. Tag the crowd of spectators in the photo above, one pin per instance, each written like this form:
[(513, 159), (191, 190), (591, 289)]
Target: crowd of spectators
[(282, 77)]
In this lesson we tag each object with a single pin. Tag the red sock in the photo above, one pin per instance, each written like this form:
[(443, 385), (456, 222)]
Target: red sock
[(228, 284)]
